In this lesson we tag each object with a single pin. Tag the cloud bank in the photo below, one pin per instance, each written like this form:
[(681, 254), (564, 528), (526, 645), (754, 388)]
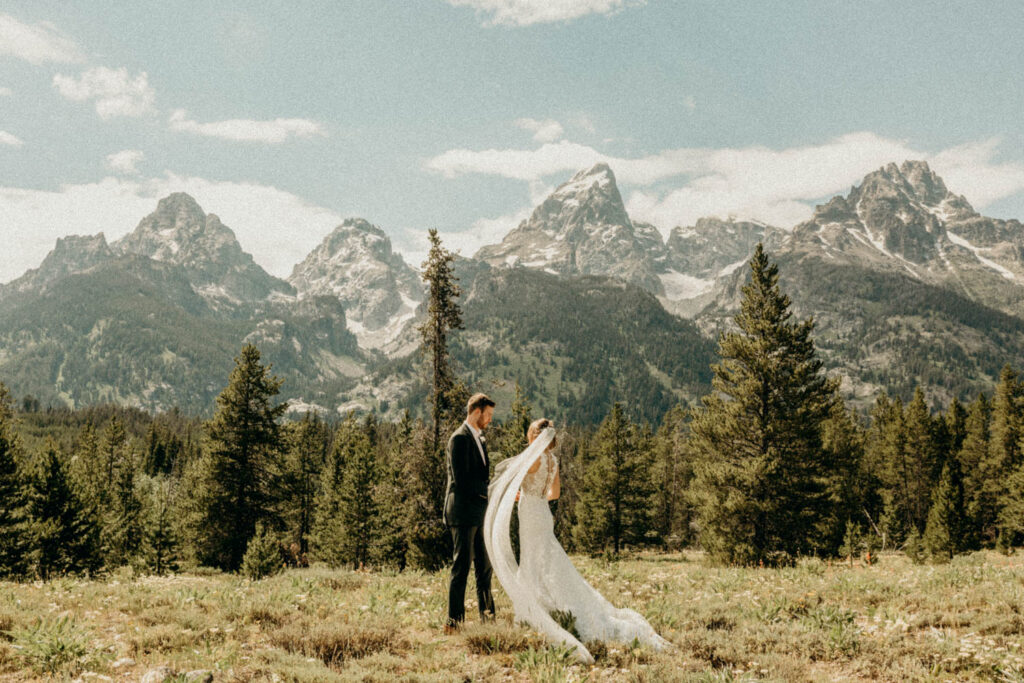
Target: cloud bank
[(778, 186), (528, 12), (36, 43), (115, 92), (247, 130)]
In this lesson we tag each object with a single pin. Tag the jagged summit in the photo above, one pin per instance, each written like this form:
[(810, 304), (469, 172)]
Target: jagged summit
[(180, 232), (904, 219), (356, 264), (582, 228), (71, 254)]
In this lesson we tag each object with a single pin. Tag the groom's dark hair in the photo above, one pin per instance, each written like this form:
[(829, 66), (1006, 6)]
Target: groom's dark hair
[(478, 401)]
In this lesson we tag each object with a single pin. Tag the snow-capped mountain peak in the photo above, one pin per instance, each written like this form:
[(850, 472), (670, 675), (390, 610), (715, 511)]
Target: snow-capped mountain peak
[(355, 263), (582, 228), (179, 232), (904, 218)]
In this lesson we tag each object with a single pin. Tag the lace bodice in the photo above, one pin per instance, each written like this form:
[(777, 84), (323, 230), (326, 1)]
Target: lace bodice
[(537, 483)]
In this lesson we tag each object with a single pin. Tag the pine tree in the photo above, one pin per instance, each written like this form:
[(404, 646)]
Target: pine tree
[(112, 451), (980, 509), (262, 554), (946, 526), (761, 479), (159, 547), (852, 487), (358, 503), (332, 537), (391, 545), (956, 425), (429, 542), (13, 523), (890, 460), (122, 520), (1011, 511), (63, 535), (614, 506), (443, 316), (671, 473), (850, 547), (87, 466), (1006, 431), (305, 458), (921, 457), (239, 478)]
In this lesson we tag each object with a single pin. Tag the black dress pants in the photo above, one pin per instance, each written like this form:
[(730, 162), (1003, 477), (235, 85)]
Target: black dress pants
[(469, 548)]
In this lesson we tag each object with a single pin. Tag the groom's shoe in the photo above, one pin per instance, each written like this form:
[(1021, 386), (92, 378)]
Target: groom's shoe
[(451, 628), (487, 617)]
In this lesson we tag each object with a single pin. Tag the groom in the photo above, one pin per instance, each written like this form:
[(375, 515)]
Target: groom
[(465, 503)]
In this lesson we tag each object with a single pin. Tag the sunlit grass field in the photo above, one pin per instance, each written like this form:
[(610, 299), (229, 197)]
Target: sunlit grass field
[(893, 621)]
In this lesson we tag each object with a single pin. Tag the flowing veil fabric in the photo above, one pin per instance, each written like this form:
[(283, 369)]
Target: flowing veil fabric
[(550, 581)]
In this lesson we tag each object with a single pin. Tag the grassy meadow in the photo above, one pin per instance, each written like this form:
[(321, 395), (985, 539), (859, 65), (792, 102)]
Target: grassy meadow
[(893, 621)]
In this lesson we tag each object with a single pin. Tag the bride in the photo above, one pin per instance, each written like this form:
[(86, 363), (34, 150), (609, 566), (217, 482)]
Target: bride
[(546, 580)]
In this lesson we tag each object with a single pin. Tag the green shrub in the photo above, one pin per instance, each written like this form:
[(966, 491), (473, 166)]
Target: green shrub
[(262, 555)]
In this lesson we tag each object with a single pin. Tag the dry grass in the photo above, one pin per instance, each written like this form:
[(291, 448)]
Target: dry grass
[(890, 622)]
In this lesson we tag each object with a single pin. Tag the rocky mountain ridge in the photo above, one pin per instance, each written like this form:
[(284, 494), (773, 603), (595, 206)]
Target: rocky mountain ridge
[(900, 229)]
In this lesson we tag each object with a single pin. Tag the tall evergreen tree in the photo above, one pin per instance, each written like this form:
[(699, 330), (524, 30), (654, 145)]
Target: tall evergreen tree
[(956, 425), (1006, 429), (391, 544), (980, 510), (614, 506), (159, 548), (1011, 511), (945, 530), (921, 458), (852, 486), (13, 522), (429, 543), (122, 518), (761, 479), (238, 483), (334, 538), (115, 440), (672, 471), (63, 535), (88, 466), (358, 503), (443, 316), (305, 458)]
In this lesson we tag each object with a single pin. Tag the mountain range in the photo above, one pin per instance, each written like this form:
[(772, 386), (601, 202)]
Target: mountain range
[(579, 304)]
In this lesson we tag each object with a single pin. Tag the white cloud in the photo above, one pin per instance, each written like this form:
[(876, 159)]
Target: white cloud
[(247, 130), (10, 140), (690, 102), (125, 161), (38, 43), (278, 228), (115, 92), (547, 130), (5, 92), (527, 12), (776, 186)]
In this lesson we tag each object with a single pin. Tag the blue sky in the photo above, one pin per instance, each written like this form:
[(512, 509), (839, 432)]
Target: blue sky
[(463, 114)]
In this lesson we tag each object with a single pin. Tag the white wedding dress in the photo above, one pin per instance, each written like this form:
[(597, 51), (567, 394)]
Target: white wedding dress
[(546, 579)]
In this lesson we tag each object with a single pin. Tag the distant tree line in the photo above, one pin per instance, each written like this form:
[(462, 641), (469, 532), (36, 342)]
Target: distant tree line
[(771, 465)]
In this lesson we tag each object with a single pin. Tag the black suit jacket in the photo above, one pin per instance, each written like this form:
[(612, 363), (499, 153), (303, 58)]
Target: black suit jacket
[(465, 498)]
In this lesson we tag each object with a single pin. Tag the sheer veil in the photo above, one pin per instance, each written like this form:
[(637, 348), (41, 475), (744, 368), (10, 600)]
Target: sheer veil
[(501, 498)]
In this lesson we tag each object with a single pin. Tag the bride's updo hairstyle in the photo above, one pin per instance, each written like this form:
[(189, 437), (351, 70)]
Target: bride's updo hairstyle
[(537, 427)]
